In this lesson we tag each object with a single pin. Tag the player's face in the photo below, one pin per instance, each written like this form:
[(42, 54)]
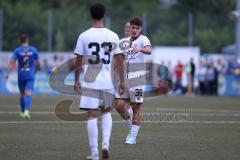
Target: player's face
[(135, 30)]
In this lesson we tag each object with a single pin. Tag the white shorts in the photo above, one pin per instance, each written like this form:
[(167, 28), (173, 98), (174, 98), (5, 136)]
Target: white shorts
[(134, 92), (97, 98)]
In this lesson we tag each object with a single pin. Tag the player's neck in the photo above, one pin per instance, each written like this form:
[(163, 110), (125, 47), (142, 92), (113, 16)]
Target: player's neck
[(134, 38), (97, 24), (25, 44)]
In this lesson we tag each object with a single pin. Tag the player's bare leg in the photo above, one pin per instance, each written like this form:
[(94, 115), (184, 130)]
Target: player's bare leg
[(129, 109), (124, 112), (131, 138), (92, 130)]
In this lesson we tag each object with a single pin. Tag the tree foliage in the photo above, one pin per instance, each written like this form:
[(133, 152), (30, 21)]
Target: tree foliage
[(212, 28)]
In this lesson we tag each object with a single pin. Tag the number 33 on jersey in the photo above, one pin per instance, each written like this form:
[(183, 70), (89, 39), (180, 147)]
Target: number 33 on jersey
[(100, 44)]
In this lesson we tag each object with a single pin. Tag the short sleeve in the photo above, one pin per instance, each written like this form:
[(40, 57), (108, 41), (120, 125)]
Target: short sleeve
[(14, 55), (146, 42), (117, 49), (79, 50)]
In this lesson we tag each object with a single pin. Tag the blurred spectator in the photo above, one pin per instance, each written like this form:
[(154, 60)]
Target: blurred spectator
[(221, 66), (232, 67), (212, 79), (190, 74), (164, 78), (55, 63), (170, 71), (55, 60), (61, 59), (215, 82), (46, 68), (178, 71), (162, 71), (202, 73)]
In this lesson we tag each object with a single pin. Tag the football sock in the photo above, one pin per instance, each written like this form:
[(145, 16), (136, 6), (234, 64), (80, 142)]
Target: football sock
[(28, 100), (92, 130), (130, 111), (22, 103), (134, 130), (129, 121), (106, 129)]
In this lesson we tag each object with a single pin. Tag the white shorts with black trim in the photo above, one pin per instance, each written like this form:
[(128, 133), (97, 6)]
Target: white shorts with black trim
[(134, 90), (93, 99)]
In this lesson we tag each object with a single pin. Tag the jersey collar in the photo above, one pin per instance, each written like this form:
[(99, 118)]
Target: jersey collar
[(133, 39)]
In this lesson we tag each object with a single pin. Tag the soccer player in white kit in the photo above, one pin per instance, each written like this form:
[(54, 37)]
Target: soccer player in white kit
[(124, 42), (95, 51), (135, 78)]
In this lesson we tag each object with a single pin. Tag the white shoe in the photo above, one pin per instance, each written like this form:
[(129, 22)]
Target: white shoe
[(128, 136), (93, 157), (130, 140), (26, 114)]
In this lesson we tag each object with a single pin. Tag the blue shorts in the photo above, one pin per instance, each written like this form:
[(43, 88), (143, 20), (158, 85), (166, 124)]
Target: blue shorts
[(25, 85)]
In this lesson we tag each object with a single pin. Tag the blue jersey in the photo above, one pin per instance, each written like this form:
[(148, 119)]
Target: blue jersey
[(26, 57)]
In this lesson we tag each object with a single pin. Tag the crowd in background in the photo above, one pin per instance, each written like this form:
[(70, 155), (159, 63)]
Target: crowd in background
[(188, 78), (202, 79), (48, 63)]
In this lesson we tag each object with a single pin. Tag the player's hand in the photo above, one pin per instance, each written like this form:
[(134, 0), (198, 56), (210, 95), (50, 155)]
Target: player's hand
[(136, 50), (77, 86), (122, 88)]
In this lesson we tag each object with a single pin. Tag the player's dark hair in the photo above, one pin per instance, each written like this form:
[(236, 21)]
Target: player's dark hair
[(23, 38), (97, 11), (136, 21)]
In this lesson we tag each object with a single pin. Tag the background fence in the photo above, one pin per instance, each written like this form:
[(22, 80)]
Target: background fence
[(58, 30)]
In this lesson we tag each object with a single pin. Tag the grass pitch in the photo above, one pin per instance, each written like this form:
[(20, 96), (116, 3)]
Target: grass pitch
[(174, 128)]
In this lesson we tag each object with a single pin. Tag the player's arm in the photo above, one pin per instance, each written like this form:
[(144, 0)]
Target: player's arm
[(146, 50), (119, 59), (38, 65), (12, 63), (11, 66), (36, 58), (78, 69), (119, 65), (79, 52)]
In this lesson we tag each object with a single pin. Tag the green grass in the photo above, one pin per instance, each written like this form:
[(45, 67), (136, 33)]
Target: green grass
[(211, 133)]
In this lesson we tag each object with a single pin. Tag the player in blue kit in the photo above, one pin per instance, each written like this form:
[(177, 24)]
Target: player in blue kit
[(28, 59)]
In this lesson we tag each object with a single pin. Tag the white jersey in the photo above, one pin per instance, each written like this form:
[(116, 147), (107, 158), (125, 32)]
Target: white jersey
[(136, 58), (94, 45)]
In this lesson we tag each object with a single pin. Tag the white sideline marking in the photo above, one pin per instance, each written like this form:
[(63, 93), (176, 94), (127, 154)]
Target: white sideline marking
[(193, 113), (193, 110), (146, 108), (121, 122), (12, 112)]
